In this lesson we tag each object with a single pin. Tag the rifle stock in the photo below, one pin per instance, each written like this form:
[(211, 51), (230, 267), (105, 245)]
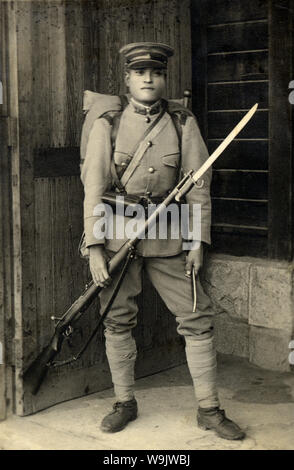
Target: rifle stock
[(35, 374), (37, 371)]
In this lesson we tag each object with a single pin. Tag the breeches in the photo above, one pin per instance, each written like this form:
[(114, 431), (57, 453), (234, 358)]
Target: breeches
[(168, 277)]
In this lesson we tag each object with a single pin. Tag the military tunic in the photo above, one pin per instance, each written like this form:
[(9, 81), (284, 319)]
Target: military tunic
[(157, 173)]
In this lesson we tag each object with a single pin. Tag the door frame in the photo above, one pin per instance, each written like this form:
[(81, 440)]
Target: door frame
[(10, 231)]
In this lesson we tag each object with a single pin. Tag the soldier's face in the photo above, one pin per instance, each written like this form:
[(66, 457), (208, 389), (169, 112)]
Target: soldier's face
[(146, 85)]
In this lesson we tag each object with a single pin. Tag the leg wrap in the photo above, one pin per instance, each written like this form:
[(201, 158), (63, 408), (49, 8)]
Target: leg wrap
[(201, 359), (121, 353)]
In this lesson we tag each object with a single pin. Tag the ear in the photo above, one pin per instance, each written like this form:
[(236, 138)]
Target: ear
[(127, 78)]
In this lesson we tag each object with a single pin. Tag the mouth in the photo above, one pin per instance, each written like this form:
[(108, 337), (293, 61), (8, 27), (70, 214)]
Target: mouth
[(147, 88)]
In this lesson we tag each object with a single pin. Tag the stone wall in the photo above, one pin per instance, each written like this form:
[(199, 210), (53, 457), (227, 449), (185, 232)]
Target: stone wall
[(254, 305)]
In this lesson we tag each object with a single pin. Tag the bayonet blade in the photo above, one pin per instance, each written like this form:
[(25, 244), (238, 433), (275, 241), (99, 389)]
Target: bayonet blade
[(237, 129)]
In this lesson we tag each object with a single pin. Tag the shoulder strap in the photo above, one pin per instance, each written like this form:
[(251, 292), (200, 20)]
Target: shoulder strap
[(178, 126), (114, 120), (151, 132), (179, 118)]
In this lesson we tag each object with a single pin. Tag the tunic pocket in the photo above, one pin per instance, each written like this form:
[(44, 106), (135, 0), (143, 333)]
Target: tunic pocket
[(121, 159), (171, 160), (169, 170)]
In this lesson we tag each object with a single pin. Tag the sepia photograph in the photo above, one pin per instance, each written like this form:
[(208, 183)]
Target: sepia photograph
[(146, 237)]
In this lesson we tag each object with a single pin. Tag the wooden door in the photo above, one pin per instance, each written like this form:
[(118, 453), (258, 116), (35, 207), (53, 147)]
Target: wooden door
[(61, 49)]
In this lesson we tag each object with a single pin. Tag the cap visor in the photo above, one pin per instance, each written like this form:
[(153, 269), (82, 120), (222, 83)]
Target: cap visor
[(140, 64)]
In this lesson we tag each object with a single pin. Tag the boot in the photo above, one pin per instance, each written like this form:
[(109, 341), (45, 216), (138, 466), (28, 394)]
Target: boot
[(122, 413), (215, 419)]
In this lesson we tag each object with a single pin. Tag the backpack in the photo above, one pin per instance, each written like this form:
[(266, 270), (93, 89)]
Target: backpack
[(111, 107)]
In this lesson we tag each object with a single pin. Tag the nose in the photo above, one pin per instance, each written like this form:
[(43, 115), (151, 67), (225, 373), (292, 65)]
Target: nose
[(148, 76)]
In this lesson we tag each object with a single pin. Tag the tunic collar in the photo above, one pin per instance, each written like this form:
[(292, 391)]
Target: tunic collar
[(140, 108)]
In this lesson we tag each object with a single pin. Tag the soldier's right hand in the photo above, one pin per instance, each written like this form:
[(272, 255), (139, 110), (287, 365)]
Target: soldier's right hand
[(98, 265)]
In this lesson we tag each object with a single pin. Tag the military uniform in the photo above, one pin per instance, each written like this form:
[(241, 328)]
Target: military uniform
[(164, 158)]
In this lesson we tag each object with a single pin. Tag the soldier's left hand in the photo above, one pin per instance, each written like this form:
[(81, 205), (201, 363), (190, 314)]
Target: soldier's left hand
[(194, 258)]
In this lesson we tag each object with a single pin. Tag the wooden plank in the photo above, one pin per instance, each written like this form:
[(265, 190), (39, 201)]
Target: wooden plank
[(199, 63), (36, 124), (144, 27), (89, 40), (237, 37), (4, 107), (251, 230), (237, 95), (109, 44), (16, 202), (167, 36), (74, 74), (237, 66), (280, 131), (221, 123), (58, 69), (7, 140), (61, 277), (42, 115), (44, 263), (54, 162), (239, 184), (239, 244), (173, 37), (104, 29), (78, 271), (185, 44), (235, 212), (225, 11), (27, 133), (127, 35), (5, 230), (3, 248), (242, 154)]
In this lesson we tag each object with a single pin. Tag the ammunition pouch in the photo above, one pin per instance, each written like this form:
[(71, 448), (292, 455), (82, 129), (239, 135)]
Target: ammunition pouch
[(122, 201)]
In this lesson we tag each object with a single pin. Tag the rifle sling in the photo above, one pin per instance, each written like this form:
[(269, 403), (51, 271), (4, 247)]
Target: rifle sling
[(117, 286)]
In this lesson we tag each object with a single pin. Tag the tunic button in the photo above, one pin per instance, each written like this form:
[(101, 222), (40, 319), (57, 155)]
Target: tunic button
[(147, 119), (149, 143), (123, 164), (151, 170)]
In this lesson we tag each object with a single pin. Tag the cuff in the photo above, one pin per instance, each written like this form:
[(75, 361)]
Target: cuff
[(93, 234)]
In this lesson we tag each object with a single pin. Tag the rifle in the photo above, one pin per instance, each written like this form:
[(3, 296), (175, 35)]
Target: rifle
[(36, 372)]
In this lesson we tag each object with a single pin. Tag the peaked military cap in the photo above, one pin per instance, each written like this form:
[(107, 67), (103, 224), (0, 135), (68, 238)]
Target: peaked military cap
[(146, 54)]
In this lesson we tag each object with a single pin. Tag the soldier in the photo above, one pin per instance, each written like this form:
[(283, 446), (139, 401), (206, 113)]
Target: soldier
[(167, 152)]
